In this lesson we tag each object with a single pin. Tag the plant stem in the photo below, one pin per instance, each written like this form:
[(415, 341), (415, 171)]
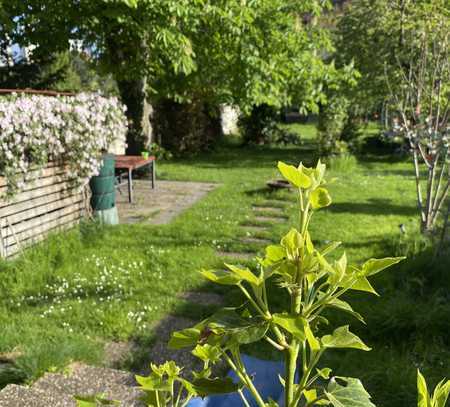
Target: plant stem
[(179, 396), (255, 305), (241, 393), (186, 402), (274, 344), (290, 367), (243, 376), (303, 382)]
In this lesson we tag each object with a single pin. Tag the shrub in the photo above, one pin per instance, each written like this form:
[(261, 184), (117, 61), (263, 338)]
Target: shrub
[(331, 123), (35, 130), (186, 128), (160, 153), (352, 132), (262, 126)]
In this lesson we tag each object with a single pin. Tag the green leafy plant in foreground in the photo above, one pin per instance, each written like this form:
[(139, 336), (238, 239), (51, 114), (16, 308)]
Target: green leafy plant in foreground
[(438, 398), (313, 282)]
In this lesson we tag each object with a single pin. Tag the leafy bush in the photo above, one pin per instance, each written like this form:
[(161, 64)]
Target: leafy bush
[(262, 126), (35, 130), (353, 132), (331, 123), (186, 128), (159, 152)]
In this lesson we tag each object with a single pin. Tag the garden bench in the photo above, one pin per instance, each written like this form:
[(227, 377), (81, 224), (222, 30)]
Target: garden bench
[(126, 164)]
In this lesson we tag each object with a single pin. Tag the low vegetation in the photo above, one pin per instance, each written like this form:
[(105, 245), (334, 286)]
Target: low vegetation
[(64, 299)]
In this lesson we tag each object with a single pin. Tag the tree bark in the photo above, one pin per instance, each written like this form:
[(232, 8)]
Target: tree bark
[(139, 111)]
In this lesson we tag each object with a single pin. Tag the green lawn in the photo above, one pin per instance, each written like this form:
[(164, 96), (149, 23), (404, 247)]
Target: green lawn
[(62, 300)]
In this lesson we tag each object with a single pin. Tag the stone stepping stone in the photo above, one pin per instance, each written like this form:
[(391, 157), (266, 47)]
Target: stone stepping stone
[(255, 228), (271, 214), (274, 203), (89, 380), (256, 240), (116, 353), (270, 219), (237, 255), (160, 353), (16, 396), (58, 390), (202, 298), (267, 209)]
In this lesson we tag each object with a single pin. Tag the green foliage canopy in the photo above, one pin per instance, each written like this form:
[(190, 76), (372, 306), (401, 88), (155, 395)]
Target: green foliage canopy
[(246, 52), (380, 37)]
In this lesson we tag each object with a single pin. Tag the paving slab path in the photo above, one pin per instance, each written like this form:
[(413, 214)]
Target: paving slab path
[(58, 389), (160, 205)]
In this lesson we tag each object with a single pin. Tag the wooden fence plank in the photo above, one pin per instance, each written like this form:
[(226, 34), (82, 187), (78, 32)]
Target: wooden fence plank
[(48, 171), (49, 203), (41, 228), (38, 220), (42, 190), (43, 209), (14, 250), (34, 203)]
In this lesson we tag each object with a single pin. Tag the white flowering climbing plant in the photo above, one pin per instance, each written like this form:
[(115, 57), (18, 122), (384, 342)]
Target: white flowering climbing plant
[(74, 130)]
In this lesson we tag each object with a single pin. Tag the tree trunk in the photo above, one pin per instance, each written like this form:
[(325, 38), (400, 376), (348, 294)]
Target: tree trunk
[(139, 110)]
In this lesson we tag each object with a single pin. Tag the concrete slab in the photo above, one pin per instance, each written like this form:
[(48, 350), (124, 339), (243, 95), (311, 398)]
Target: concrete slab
[(160, 205)]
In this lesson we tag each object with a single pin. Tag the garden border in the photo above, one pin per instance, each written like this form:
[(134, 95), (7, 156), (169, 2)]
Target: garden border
[(48, 204)]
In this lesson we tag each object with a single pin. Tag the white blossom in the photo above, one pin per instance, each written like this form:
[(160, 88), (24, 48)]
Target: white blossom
[(35, 130)]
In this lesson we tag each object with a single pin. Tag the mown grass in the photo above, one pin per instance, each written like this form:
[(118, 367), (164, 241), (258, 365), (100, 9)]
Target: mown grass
[(118, 282)]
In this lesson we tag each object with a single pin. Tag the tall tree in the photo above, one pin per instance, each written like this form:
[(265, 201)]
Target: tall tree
[(236, 51)]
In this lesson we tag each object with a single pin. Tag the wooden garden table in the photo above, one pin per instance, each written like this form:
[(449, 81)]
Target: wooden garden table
[(126, 164)]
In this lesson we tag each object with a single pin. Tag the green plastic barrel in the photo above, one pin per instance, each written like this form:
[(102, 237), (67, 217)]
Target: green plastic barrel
[(103, 186)]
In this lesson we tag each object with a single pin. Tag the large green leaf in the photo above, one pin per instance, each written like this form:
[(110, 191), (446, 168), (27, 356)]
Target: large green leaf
[(441, 394), (330, 247), (207, 353), (293, 324), (374, 266), (275, 253), (292, 241), (362, 284), (320, 198), (206, 387), (241, 330), (422, 389), (223, 277), (294, 175), (186, 338), (350, 393), (244, 274), (345, 306), (154, 382), (319, 172), (251, 334), (343, 338)]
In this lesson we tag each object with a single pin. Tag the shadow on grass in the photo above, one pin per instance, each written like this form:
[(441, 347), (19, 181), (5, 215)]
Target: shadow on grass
[(375, 207), (252, 157)]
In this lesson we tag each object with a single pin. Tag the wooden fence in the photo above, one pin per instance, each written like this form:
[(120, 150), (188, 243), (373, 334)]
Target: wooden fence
[(48, 204)]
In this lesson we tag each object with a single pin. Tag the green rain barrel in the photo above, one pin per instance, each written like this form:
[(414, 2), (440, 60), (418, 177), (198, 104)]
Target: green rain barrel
[(103, 186)]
